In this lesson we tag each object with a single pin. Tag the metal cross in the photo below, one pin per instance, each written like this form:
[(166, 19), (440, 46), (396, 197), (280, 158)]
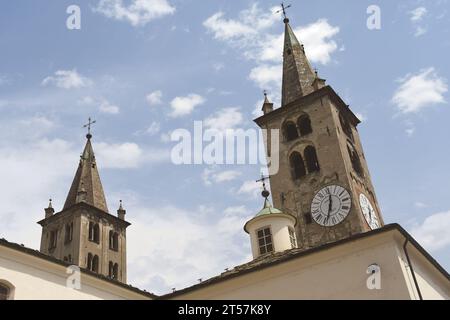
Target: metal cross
[(88, 125), (283, 9), (263, 180)]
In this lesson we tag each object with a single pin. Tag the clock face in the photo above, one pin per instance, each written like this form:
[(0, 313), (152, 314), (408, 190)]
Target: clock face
[(331, 205), (368, 212)]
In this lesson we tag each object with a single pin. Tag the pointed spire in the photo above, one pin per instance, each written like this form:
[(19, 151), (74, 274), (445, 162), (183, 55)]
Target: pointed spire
[(298, 75), (267, 105), (86, 186)]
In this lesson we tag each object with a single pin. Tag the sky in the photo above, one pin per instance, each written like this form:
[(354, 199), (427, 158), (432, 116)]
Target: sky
[(146, 68)]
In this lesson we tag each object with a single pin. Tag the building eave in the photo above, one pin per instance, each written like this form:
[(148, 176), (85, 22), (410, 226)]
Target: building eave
[(327, 90), (289, 256), (40, 255), (84, 205)]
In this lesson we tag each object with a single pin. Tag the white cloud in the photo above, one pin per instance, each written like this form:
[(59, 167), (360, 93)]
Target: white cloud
[(104, 106), (361, 116), (433, 232), (137, 12), (154, 98), (227, 118), (107, 107), (212, 175), (250, 187), (420, 31), (185, 245), (154, 128), (267, 76), (218, 66), (420, 205), (418, 14), (4, 80), (419, 91), (67, 79), (182, 106), (127, 155)]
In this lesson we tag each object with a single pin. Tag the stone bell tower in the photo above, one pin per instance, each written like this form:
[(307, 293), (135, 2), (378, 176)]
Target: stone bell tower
[(323, 179), (84, 233)]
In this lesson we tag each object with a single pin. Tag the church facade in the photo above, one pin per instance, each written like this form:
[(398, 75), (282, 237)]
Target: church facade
[(323, 238)]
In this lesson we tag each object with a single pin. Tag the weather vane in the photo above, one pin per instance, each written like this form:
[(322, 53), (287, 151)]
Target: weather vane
[(88, 125), (263, 179), (283, 10)]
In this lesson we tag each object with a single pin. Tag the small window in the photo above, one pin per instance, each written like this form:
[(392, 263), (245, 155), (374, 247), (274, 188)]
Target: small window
[(346, 126), (116, 271), (94, 232), (290, 131), (265, 240), (293, 238), (356, 161), (4, 292), (95, 264), (53, 239), (304, 125), (111, 269), (312, 163), (113, 240), (68, 233), (297, 166), (89, 261)]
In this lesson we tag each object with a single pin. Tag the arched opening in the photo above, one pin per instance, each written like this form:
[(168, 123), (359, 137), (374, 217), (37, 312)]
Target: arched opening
[(312, 163), (95, 264), (6, 290), (116, 271), (113, 240), (346, 126), (304, 125), (68, 233), (297, 166), (290, 131), (94, 232), (89, 261), (356, 161), (111, 269)]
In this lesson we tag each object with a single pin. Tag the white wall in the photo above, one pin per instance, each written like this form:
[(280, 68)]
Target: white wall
[(36, 278)]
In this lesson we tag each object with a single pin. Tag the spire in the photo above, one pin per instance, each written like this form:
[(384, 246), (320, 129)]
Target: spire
[(49, 211), (267, 105), (86, 186), (298, 75), (121, 211)]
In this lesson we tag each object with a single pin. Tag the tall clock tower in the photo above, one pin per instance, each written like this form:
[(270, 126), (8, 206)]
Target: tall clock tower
[(323, 179)]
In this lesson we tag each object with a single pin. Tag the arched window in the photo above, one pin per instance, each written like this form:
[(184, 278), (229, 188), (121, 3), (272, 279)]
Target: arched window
[(113, 240), (95, 264), (297, 166), (68, 233), (111, 269), (4, 292), (290, 131), (312, 163), (304, 125), (89, 261), (346, 126), (94, 232), (116, 271), (356, 162)]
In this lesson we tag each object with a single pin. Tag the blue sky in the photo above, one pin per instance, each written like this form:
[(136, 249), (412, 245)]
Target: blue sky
[(145, 68)]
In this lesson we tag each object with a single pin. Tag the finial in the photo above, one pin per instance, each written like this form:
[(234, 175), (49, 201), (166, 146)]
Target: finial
[(120, 205), (316, 72), (88, 125), (283, 10), (265, 193), (50, 203)]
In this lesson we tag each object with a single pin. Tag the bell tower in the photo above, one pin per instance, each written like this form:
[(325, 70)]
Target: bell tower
[(84, 233), (323, 179)]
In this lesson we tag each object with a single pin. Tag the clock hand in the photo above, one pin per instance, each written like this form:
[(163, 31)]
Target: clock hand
[(330, 206)]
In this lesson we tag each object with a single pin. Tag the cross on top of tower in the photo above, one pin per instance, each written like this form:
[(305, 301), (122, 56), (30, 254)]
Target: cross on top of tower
[(88, 125), (283, 10)]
